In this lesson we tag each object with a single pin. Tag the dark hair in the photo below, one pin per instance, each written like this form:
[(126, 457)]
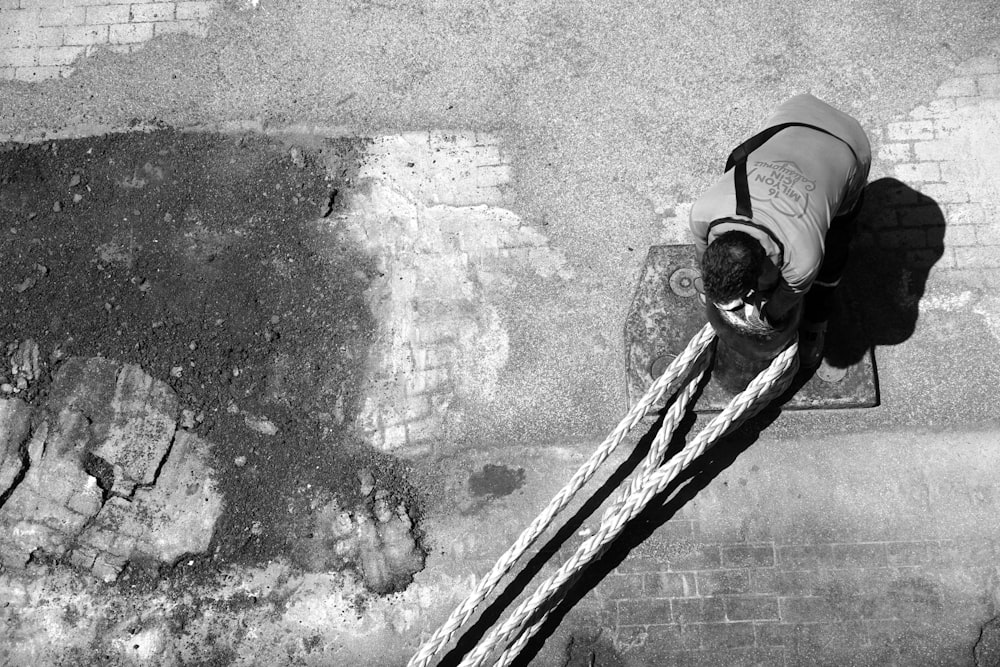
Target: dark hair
[(731, 265)]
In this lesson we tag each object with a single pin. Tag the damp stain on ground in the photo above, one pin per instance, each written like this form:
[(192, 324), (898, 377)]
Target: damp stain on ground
[(495, 481), (205, 260)]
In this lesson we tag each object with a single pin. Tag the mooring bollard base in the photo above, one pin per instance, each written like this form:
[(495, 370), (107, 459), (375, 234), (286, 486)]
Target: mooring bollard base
[(733, 371), (666, 312)]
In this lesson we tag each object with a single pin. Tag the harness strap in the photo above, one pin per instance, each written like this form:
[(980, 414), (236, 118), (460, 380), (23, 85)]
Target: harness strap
[(738, 161), (750, 223)]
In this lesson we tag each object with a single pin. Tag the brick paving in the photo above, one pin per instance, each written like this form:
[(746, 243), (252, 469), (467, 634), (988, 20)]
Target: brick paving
[(930, 152), (692, 593), (42, 39), (751, 599), (678, 602)]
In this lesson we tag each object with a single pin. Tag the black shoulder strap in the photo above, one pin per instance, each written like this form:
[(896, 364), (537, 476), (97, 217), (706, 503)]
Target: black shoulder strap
[(738, 160)]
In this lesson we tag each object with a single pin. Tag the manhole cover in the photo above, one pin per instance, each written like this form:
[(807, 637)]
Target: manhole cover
[(664, 316), (686, 282)]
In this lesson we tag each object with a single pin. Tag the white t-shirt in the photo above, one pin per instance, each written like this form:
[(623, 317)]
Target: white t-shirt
[(798, 181)]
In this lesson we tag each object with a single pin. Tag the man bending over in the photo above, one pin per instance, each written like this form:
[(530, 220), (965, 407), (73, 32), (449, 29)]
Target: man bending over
[(774, 231)]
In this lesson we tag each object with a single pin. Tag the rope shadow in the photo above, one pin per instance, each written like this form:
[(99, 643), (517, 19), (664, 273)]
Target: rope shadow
[(505, 599), (684, 488)]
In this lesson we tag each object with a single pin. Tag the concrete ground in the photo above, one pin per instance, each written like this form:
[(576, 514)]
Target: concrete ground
[(573, 137)]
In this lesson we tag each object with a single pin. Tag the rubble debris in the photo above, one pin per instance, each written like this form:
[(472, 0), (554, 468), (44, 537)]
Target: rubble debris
[(56, 497), (143, 420), (56, 355), (367, 481), (261, 425), (161, 523), (23, 361), (25, 284), (146, 254), (105, 477), (329, 204), (187, 419), (15, 418), (376, 538), (118, 252), (258, 423)]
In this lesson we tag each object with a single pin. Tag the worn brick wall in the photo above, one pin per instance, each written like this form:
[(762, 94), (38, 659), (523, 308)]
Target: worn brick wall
[(930, 152), (42, 39), (428, 210)]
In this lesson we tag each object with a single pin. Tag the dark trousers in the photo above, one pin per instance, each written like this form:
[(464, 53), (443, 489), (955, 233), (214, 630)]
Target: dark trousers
[(819, 299)]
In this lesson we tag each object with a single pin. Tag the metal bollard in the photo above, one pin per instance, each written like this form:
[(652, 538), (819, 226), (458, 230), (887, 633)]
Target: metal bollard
[(740, 356)]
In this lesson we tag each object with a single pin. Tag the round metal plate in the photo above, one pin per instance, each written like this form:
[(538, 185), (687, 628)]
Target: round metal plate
[(830, 374), (685, 282), (660, 364)]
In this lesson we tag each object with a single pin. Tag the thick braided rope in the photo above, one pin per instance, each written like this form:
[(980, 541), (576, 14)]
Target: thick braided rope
[(767, 385), (677, 369), (670, 421), (649, 465)]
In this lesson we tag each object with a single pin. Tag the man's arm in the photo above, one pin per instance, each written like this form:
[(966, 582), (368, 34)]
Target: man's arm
[(699, 233), (801, 265), (782, 302)]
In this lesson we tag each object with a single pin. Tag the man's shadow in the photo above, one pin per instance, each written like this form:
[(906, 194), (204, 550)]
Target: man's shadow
[(899, 237)]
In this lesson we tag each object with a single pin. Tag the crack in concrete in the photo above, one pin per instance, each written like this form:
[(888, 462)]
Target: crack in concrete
[(159, 466), (94, 466), (986, 650), (100, 470), (72, 484), (22, 452)]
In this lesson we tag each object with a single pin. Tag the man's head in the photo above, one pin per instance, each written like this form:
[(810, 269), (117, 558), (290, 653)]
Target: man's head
[(731, 265)]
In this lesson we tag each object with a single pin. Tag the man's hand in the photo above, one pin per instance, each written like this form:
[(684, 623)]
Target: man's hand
[(756, 318), (773, 322), (755, 315), (781, 304)]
